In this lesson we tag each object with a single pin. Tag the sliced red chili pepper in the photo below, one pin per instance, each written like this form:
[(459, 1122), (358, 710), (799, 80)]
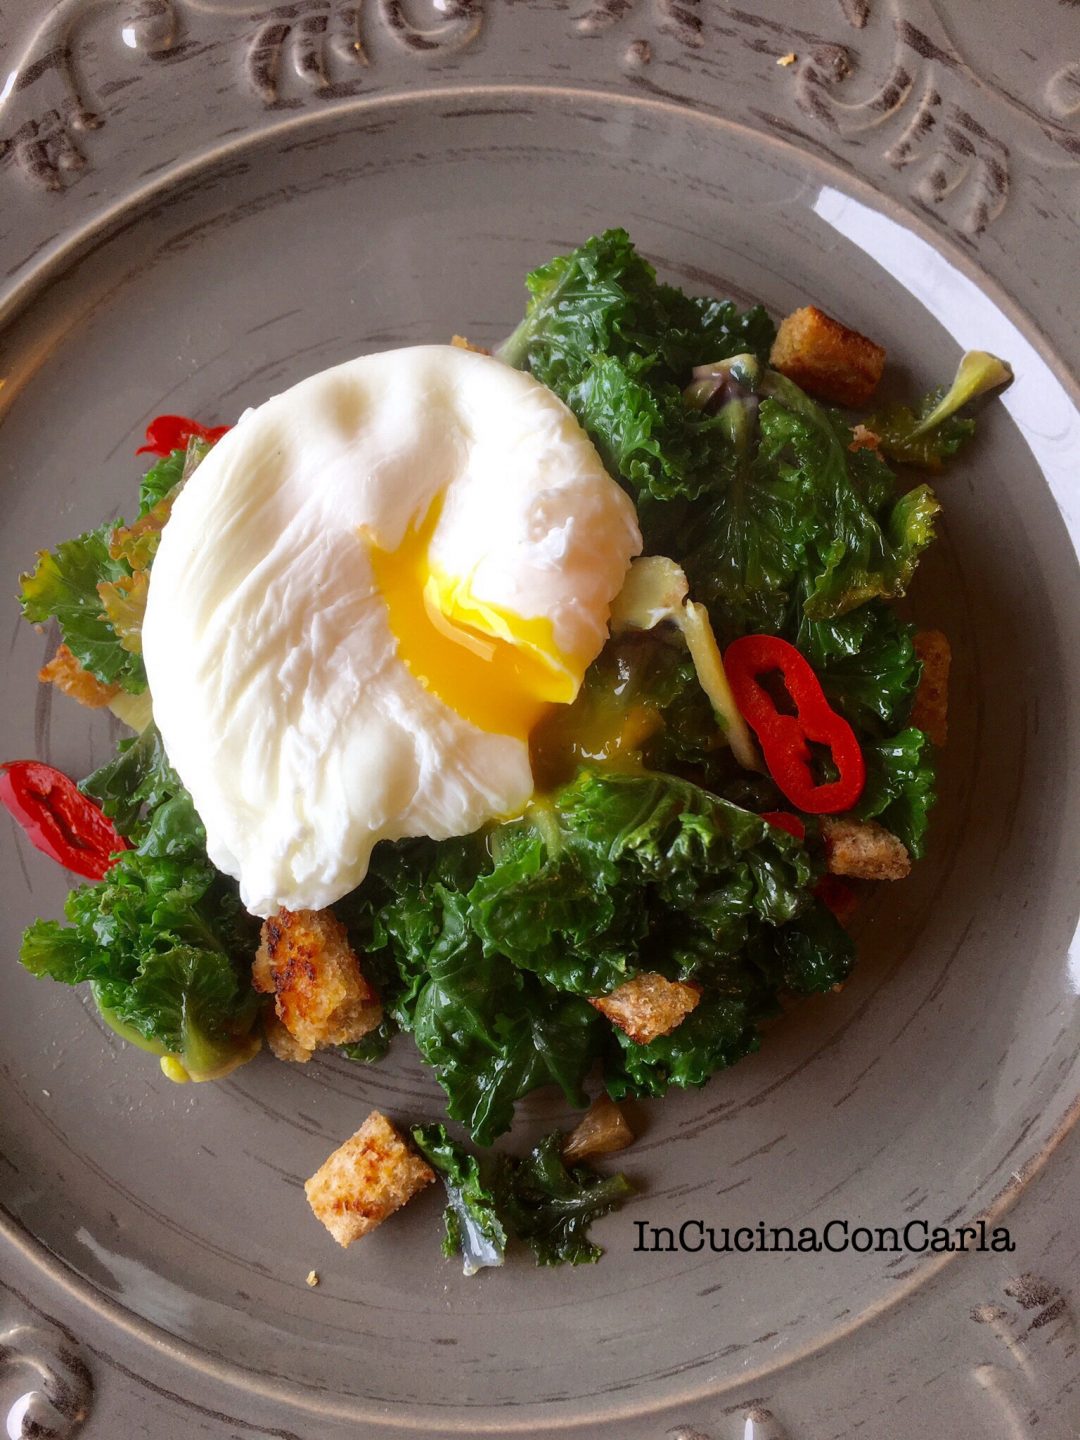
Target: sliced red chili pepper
[(784, 820), (833, 893), (172, 432), (785, 739), (59, 819), (840, 898)]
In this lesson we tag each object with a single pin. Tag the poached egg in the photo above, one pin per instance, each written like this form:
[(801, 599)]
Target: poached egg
[(365, 597)]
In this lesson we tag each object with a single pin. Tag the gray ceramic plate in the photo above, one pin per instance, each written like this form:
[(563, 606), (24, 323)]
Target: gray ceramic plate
[(203, 201)]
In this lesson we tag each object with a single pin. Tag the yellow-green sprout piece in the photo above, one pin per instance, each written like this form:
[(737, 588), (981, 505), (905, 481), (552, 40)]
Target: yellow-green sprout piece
[(656, 590)]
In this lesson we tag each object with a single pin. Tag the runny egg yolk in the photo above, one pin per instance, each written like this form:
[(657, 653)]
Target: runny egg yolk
[(494, 668)]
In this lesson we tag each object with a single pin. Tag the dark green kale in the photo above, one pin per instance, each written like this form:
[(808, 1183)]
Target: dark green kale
[(136, 784), (490, 1031), (163, 939), (801, 526), (900, 786), (645, 433), (866, 663), (475, 1227), (167, 948), (375, 1045), (859, 543), (536, 1198), (720, 1031), (551, 1205), (814, 955), (604, 299), (616, 345), (497, 941), (622, 873)]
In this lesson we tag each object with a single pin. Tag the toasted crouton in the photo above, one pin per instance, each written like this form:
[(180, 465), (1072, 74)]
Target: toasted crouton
[(282, 1045), (864, 850), (460, 343), (365, 1180), (68, 675), (648, 1005), (827, 359), (320, 994), (930, 712)]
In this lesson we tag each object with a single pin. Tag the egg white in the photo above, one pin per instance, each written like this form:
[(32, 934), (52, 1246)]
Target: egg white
[(278, 683)]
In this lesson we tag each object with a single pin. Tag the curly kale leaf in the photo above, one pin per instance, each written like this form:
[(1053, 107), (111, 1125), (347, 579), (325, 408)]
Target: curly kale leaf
[(900, 786), (618, 346), (163, 938), (813, 955), (535, 1198), (797, 527), (604, 299), (135, 784), (490, 1031), (644, 431), (475, 1226), (551, 1205), (859, 544), (720, 1031), (95, 586), (623, 873), (896, 426), (167, 948), (866, 663), (162, 479), (63, 586), (498, 942)]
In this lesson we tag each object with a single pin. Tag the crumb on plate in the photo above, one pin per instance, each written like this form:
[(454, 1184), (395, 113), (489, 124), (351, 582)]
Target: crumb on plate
[(930, 711), (864, 439), (460, 343)]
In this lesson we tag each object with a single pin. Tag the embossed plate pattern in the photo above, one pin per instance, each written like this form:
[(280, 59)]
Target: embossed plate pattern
[(205, 201)]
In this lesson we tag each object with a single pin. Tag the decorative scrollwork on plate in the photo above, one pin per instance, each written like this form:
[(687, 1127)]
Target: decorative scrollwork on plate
[(681, 19), (856, 12), (935, 117), (314, 48), (327, 47), (47, 145), (1039, 1337), (951, 116), (45, 1386), (957, 163), (1063, 92), (756, 1423)]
